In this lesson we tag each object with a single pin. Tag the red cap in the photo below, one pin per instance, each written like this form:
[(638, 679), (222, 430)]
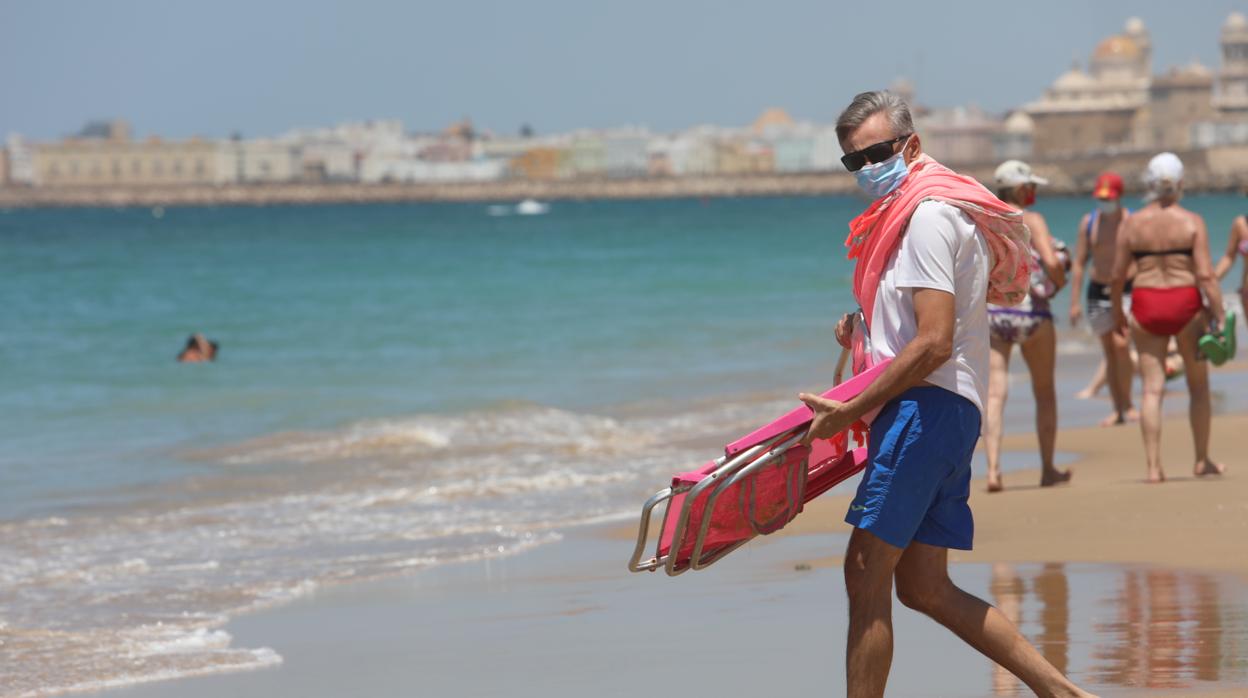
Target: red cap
[(1108, 186)]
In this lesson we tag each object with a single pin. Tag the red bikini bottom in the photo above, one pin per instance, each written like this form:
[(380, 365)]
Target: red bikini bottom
[(1165, 311)]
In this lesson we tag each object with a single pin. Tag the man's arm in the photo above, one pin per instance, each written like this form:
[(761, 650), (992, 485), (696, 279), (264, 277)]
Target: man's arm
[(931, 347), (1042, 241), (1203, 266), (1238, 228), (1082, 251), (1122, 262)]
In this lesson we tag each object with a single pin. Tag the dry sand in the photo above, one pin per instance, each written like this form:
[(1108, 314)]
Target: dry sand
[(1108, 513)]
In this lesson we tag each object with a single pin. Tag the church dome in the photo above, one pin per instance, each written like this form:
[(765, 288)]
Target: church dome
[(1196, 69), (772, 118), (1117, 48), (1073, 80), (1019, 123), (1236, 21)]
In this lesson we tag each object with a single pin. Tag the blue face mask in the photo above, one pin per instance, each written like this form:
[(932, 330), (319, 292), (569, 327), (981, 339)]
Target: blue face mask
[(881, 178)]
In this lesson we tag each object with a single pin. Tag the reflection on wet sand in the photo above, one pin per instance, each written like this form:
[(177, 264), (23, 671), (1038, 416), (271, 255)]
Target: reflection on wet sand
[(1142, 628)]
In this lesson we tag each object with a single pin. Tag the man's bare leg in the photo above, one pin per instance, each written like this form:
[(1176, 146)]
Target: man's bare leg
[(869, 565), (1118, 373), (923, 584), (1094, 386)]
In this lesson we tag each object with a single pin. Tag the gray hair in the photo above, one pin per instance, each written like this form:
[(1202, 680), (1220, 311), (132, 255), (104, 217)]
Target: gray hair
[(867, 105)]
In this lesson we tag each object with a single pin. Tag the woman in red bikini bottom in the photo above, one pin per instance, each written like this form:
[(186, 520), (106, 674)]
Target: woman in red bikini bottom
[(1170, 247)]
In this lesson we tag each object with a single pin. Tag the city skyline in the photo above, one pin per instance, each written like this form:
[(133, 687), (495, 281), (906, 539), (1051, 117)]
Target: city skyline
[(556, 66)]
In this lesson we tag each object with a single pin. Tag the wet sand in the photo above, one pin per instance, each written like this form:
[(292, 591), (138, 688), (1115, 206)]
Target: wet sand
[(1135, 589)]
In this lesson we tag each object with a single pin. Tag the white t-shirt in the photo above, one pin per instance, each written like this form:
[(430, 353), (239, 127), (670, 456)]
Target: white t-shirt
[(941, 249)]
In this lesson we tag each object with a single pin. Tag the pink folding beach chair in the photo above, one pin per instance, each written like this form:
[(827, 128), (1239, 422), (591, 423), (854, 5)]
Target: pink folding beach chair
[(757, 487)]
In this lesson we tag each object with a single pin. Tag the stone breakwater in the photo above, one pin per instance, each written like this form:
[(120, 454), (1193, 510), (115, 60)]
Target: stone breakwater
[(510, 190)]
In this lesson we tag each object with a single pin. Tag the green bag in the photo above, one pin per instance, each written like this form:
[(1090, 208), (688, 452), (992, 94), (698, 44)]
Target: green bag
[(1220, 347)]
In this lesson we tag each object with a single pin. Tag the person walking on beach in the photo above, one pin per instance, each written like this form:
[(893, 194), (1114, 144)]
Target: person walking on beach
[(1237, 244), (931, 251), (1170, 248), (1030, 326), (1098, 236)]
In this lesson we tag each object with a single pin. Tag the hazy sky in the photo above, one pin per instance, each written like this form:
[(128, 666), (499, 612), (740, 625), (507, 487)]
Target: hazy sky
[(179, 68)]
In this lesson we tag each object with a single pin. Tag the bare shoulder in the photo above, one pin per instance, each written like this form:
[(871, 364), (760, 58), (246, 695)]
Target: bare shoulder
[(1030, 217), (1195, 219)]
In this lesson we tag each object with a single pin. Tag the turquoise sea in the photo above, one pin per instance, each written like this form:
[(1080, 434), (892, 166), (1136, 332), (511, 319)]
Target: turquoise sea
[(398, 386)]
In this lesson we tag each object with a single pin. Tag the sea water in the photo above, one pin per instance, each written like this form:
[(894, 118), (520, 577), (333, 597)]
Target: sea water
[(398, 386)]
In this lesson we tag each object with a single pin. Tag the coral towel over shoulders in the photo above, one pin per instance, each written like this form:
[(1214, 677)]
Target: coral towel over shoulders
[(875, 234)]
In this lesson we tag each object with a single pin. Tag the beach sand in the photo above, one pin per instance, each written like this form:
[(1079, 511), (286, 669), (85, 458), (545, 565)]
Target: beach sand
[(1134, 589)]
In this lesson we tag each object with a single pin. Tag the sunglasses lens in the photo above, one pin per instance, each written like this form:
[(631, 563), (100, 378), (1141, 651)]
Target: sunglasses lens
[(879, 152), (854, 161)]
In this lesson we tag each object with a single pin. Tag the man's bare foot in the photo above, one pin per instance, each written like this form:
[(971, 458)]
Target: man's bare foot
[(1113, 419), (1085, 394), (995, 484), (1208, 467), (1156, 476), (1054, 477)]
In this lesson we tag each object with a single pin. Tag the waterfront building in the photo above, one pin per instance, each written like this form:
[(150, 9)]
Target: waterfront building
[(1232, 98), (97, 158), (1177, 100), (381, 169), (1014, 140), (259, 161), (794, 151), (542, 163), (744, 157), (826, 152), (773, 122), (1118, 105), (1084, 112), (20, 169), (626, 153), (960, 135), (586, 156), (4, 167)]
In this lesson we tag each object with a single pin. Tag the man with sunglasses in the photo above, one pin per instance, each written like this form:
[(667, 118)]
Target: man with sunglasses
[(931, 250)]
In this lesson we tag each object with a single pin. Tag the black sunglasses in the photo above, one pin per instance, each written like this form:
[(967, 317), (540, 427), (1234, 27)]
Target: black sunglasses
[(878, 152)]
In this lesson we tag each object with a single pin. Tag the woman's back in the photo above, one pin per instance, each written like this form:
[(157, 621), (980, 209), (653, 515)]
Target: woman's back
[(1161, 239)]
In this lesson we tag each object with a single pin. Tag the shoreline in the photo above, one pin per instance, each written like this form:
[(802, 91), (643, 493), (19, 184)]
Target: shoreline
[(1106, 520), (640, 189)]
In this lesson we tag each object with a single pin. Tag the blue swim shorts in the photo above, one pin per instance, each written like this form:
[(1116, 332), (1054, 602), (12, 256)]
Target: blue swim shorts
[(918, 475)]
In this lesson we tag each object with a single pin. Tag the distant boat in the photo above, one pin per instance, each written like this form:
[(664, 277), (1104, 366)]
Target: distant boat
[(532, 207)]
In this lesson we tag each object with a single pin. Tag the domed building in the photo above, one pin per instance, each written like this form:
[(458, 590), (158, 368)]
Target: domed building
[(1118, 104), (1233, 79), (772, 120)]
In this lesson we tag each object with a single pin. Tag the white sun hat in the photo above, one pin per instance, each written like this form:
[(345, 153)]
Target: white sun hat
[(1015, 173), (1164, 167)]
